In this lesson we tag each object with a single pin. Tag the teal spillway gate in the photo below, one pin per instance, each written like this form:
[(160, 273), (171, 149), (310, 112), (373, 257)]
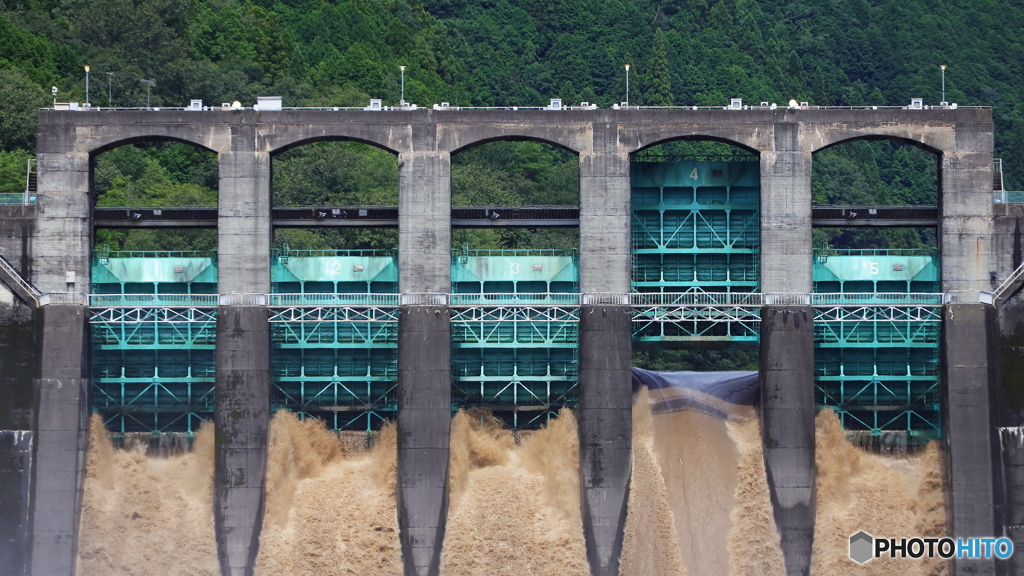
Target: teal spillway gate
[(515, 333), (695, 228), (877, 358), (153, 366), (334, 329)]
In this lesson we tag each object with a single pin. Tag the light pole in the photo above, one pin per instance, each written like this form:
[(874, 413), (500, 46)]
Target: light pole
[(627, 85), (402, 101), (87, 85), (943, 66), (110, 91), (149, 86)]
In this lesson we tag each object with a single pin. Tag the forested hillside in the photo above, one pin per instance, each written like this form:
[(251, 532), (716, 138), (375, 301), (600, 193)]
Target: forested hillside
[(520, 52)]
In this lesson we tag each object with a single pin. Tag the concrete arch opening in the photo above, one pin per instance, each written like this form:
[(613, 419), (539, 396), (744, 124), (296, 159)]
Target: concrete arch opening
[(155, 219), (876, 215), (335, 243), (515, 247)]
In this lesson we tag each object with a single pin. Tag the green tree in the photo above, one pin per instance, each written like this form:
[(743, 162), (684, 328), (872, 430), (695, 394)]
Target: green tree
[(20, 100), (659, 83)]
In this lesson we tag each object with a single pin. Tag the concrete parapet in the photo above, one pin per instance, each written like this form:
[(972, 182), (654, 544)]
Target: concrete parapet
[(242, 418), (61, 426), (424, 430), (968, 354), (787, 426), (606, 431)]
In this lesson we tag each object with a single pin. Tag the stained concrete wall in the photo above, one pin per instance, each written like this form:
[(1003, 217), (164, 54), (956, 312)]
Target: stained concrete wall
[(61, 434), (1012, 445), (424, 141), (424, 425), (241, 422), (15, 482), (606, 431), (969, 350), (787, 425)]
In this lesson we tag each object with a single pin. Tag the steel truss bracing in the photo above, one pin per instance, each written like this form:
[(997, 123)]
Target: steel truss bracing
[(695, 227), (153, 367), (518, 360), (338, 363), (878, 367)]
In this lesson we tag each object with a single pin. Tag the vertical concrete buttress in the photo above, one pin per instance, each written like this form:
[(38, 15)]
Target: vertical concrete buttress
[(787, 425), (605, 414), (241, 417), (787, 344), (242, 410), (965, 236), (424, 353), (424, 428), (61, 425)]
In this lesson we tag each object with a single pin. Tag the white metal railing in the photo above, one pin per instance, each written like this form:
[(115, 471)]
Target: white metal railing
[(328, 299), (642, 300), (531, 299), (423, 299), (880, 299), (695, 299), (153, 300), (604, 298), (20, 284), (49, 298), (1010, 280), (243, 299)]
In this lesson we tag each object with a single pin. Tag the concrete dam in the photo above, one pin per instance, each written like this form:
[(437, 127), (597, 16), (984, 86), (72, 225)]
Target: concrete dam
[(263, 371)]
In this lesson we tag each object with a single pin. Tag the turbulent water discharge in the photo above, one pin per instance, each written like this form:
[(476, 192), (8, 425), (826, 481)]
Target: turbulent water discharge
[(698, 504), (699, 500), (897, 496), (514, 508), (330, 503), (147, 515)]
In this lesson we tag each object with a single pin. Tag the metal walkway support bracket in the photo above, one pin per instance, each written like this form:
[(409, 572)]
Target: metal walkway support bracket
[(24, 289)]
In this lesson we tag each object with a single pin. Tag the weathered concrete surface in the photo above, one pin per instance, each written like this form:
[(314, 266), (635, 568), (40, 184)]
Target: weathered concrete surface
[(605, 215), (424, 430), (62, 240), (786, 213), (61, 427), (424, 218), (243, 215), (1012, 444), (606, 431), (15, 483), (787, 425), (965, 231), (18, 362), (242, 417), (969, 350)]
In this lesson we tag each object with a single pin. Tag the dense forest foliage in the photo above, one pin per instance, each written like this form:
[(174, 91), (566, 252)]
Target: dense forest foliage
[(504, 52)]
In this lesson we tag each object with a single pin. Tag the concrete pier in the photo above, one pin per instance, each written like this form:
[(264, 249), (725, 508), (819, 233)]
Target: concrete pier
[(242, 417), (606, 431), (424, 430), (61, 437), (787, 425), (969, 349)]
